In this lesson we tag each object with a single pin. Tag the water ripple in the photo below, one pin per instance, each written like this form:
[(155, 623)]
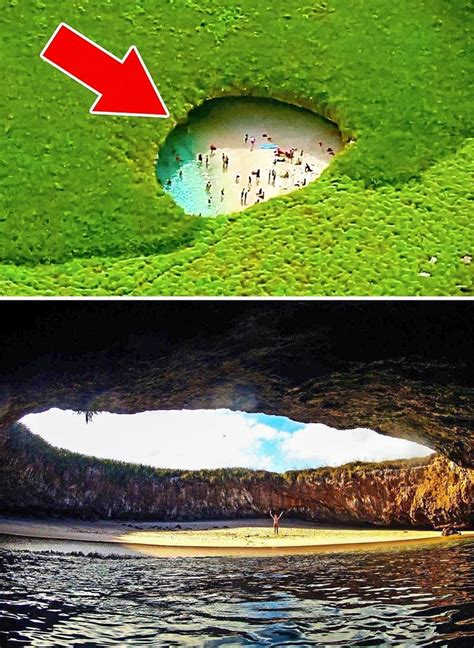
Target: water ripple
[(420, 596)]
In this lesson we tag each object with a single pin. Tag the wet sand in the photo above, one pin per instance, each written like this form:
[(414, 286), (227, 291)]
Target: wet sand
[(249, 537)]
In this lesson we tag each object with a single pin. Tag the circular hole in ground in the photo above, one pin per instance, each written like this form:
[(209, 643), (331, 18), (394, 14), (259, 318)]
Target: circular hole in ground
[(234, 152)]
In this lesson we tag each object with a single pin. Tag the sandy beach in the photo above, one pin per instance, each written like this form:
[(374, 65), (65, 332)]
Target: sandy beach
[(248, 134), (240, 176), (223, 536)]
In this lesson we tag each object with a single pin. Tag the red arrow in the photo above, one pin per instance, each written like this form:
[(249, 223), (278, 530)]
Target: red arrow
[(124, 87)]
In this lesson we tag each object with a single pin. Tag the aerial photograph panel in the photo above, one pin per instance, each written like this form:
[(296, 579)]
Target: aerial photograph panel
[(228, 147)]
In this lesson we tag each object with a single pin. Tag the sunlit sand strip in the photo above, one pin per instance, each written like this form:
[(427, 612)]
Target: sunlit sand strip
[(249, 540), (240, 176)]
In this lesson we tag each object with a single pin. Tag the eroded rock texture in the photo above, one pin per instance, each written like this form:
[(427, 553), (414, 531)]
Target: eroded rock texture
[(402, 369), (38, 479)]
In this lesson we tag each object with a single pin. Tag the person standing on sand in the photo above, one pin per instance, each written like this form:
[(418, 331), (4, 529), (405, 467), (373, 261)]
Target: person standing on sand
[(276, 521)]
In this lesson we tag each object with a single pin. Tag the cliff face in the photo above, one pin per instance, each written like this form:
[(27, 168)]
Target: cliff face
[(38, 479)]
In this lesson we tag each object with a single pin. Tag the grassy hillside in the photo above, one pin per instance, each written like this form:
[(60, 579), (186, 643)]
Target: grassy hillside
[(81, 211)]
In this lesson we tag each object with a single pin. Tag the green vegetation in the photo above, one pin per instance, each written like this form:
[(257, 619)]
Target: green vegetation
[(34, 448), (356, 468), (81, 212)]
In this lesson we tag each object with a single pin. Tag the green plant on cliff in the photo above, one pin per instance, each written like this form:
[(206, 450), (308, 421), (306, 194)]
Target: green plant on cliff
[(81, 212), (355, 468), (88, 414)]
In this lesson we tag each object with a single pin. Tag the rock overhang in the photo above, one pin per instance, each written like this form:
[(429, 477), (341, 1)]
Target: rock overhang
[(402, 369)]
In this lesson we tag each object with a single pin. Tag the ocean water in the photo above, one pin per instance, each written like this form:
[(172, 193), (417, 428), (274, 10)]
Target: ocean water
[(414, 596), (224, 123)]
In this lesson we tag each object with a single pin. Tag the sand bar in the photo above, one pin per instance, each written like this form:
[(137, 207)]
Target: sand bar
[(249, 537)]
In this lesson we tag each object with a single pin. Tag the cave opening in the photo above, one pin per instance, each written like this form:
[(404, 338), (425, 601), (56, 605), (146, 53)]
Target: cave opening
[(402, 372), (208, 439), (221, 464), (235, 152)]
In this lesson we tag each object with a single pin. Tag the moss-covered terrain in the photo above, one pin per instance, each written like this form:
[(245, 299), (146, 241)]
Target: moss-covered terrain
[(82, 212)]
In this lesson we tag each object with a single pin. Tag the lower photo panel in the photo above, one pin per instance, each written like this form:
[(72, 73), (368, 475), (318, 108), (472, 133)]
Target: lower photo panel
[(208, 473)]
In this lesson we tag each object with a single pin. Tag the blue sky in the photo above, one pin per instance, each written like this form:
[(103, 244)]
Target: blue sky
[(194, 439), (271, 447)]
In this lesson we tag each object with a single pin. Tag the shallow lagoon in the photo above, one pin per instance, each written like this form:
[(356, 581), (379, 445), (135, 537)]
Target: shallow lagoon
[(224, 123)]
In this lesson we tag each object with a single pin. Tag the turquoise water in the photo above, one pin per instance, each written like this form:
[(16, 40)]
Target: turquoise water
[(224, 124), (418, 596)]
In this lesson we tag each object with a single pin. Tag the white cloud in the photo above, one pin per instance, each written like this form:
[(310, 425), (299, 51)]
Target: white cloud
[(167, 439), (320, 445), (213, 439)]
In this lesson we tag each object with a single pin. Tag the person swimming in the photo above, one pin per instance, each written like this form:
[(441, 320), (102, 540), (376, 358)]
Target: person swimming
[(276, 521)]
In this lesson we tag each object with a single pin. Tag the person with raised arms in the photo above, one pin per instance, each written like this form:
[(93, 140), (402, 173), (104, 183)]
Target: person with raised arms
[(276, 521)]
